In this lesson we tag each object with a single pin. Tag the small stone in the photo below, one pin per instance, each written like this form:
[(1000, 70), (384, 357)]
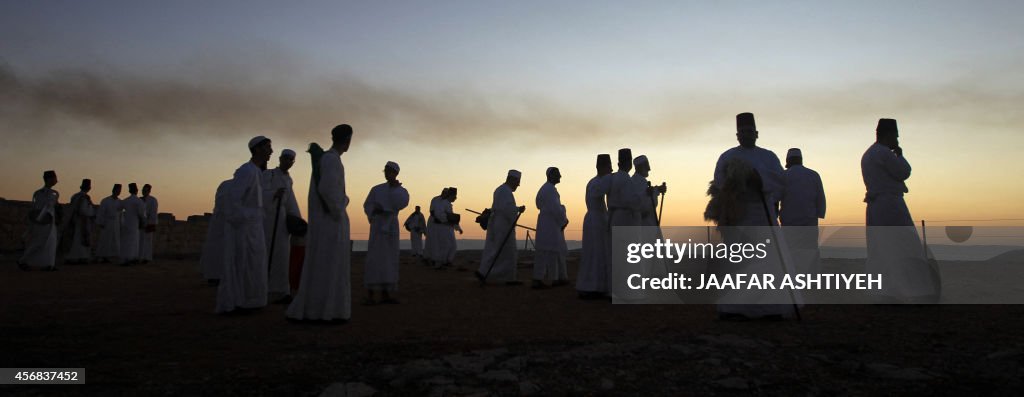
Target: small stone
[(422, 368), (470, 364), (491, 352), (1003, 354), (893, 372), (351, 389), (359, 389), (527, 388), (682, 349), (513, 364), (437, 381), (500, 375), (733, 383), (713, 361)]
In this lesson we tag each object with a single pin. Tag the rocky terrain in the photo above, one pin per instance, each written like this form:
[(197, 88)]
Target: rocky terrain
[(151, 330)]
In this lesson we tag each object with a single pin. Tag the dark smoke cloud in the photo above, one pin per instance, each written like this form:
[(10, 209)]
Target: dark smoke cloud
[(233, 102), (232, 106)]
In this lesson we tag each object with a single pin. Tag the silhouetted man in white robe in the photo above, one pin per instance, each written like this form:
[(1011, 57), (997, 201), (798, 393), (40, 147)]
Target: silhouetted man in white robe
[(435, 228), (551, 222), (594, 278), (325, 291), (108, 219), (894, 247), (211, 261), (803, 202), (132, 222), (152, 211), (80, 225), (279, 201), (243, 285), (500, 259), (757, 208), (647, 205), (448, 222), (41, 247), (416, 225), (381, 206), (623, 200)]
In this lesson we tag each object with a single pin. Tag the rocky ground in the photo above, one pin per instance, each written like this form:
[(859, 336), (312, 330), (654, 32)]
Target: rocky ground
[(151, 330)]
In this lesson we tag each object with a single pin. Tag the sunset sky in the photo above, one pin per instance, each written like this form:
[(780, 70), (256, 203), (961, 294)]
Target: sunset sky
[(457, 93)]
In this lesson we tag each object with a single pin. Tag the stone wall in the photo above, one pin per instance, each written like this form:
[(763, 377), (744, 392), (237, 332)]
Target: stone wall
[(173, 238)]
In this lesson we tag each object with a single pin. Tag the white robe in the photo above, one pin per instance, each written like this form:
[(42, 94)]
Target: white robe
[(595, 261), (80, 222), (647, 214), (646, 204), (803, 202), (434, 230), (894, 247), (211, 262), (325, 291), (381, 206), (550, 243), (146, 245), (273, 180), (41, 247), (504, 212), (131, 222), (770, 170), (443, 245), (416, 226), (623, 202), (108, 218), (244, 281)]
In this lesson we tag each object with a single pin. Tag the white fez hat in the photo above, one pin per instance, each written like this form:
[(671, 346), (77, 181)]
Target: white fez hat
[(257, 140)]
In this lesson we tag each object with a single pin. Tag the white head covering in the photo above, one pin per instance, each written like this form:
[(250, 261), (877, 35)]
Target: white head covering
[(794, 152), (392, 165), (515, 174), (641, 159), (256, 141), (288, 153)]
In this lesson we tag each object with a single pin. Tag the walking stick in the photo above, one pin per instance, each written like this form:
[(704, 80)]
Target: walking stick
[(778, 250), (661, 206), (517, 225), (483, 280), (273, 234)]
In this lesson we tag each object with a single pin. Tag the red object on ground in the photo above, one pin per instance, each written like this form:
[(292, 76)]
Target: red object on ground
[(297, 255)]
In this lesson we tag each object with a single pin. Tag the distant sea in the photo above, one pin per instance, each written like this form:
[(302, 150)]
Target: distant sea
[(942, 252), (462, 245)]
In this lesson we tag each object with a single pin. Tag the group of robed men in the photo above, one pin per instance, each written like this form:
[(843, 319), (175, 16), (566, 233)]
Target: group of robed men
[(248, 215), (126, 227), (499, 260), (792, 197), (256, 217), (618, 199)]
